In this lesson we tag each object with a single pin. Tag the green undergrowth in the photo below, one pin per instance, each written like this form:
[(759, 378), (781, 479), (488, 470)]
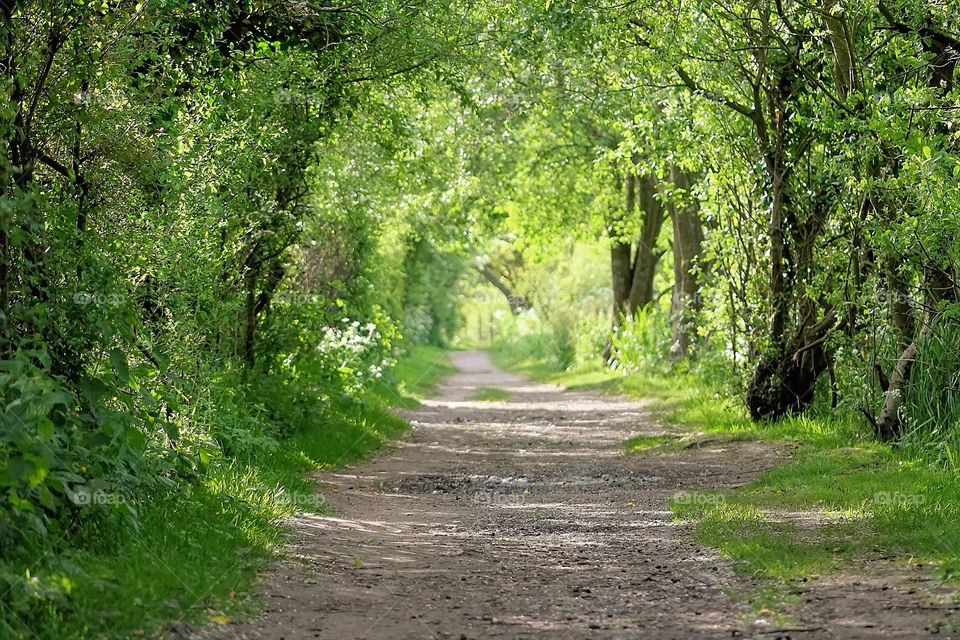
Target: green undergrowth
[(196, 549), (838, 499)]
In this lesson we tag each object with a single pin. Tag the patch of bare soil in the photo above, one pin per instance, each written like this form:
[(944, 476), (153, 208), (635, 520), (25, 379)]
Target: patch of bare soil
[(523, 519)]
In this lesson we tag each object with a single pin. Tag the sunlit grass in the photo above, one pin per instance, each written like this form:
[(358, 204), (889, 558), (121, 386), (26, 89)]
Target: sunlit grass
[(415, 377), (638, 444), (491, 394), (832, 507), (654, 444)]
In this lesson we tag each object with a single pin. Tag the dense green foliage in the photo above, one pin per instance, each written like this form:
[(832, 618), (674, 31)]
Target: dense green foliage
[(201, 292)]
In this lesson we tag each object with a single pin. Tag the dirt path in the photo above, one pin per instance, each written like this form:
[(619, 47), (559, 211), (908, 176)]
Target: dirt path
[(523, 519)]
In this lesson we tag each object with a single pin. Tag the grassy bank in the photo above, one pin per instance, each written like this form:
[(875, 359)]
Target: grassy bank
[(197, 548), (840, 497)]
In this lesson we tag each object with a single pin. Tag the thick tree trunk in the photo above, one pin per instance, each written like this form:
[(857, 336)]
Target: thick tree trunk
[(621, 270), (784, 384), (785, 377), (620, 277), (779, 285), (632, 270), (620, 267), (777, 386), (687, 248), (646, 255)]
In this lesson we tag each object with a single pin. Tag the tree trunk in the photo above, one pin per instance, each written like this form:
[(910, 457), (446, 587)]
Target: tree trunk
[(785, 378), (632, 270), (770, 394), (888, 424), (621, 275), (687, 248), (779, 285), (939, 286), (250, 318), (786, 383), (620, 267)]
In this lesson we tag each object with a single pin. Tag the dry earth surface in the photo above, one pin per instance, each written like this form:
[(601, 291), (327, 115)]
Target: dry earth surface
[(524, 519)]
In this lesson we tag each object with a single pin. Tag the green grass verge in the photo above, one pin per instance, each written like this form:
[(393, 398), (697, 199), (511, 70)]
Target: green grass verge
[(197, 550), (829, 508), (491, 394), (840, 498), (655, 444), (638, 444), (415, 377)]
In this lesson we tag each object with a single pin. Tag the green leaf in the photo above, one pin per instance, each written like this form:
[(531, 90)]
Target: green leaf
[(93, 389), (45, 429), (119, 361), (46, 498)]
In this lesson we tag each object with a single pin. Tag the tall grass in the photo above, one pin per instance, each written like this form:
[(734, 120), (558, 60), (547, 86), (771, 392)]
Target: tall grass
[(932, 403), (642, 342)]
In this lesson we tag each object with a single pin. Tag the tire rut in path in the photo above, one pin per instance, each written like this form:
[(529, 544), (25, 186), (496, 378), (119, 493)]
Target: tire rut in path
[(516, 519)]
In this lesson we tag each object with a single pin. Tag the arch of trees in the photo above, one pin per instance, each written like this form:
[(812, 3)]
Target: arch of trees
[(219, 217)]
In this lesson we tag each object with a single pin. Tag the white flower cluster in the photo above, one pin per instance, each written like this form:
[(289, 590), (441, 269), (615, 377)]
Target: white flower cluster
[(355, 352), (353, 338)]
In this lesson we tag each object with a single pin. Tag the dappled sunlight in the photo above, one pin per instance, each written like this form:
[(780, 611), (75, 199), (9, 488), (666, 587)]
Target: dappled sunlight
[(813, 518), (523, 515)]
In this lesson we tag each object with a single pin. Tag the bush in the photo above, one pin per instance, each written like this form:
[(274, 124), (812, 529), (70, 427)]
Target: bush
[(60, 453)]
